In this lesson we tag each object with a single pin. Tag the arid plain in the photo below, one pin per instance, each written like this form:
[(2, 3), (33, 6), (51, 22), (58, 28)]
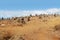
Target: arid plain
[(45, 27)]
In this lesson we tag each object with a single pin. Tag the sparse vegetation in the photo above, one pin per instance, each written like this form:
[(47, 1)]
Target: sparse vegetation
[(35, 27), (57, 27), (28, 18), (23, 21), (2, 18), (55, 15), (30, 15), (40, 16), (5, 35), (15, 18)]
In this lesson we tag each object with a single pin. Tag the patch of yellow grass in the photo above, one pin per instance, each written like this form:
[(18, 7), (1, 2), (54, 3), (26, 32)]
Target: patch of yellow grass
[(36, 29)]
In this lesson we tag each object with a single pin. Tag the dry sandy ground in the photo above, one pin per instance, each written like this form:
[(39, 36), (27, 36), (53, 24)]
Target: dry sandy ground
[(36, 29)]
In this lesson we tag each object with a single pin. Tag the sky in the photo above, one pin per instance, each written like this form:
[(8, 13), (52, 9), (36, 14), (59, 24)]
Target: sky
[(28, 4), (13, 7)]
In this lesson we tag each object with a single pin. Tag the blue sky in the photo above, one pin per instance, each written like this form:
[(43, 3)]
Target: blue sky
[(10, 8), (28, 4)]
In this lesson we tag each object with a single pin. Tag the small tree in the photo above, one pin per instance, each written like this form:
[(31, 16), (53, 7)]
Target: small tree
[(30, 15), (15, 18), (2, 18), (28, 18), (22, 20), (55, 15)]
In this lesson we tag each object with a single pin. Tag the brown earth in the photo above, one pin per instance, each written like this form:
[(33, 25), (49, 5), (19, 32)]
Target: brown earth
[(36, 29)]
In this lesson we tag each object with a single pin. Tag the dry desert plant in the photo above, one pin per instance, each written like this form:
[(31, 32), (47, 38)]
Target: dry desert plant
[(28, 19), (23, 21), (40, 17), (55, 15), (57, 27), (6, 35), (15, 18), (17, 37)]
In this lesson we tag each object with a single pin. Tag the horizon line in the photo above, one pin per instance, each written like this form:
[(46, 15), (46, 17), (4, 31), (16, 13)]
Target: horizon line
[(12, 13)]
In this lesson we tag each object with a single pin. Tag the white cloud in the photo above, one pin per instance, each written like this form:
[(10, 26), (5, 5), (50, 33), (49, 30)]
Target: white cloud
[(11, 13)]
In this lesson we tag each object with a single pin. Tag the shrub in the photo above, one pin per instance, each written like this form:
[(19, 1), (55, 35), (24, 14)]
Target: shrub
[(30, 15), (57, 27), (40, 17), (22, 20), (15, 18), (28, 19), (2, 18), (55, 15)]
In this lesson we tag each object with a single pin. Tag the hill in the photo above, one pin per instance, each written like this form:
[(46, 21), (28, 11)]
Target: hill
[(36, 28)]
